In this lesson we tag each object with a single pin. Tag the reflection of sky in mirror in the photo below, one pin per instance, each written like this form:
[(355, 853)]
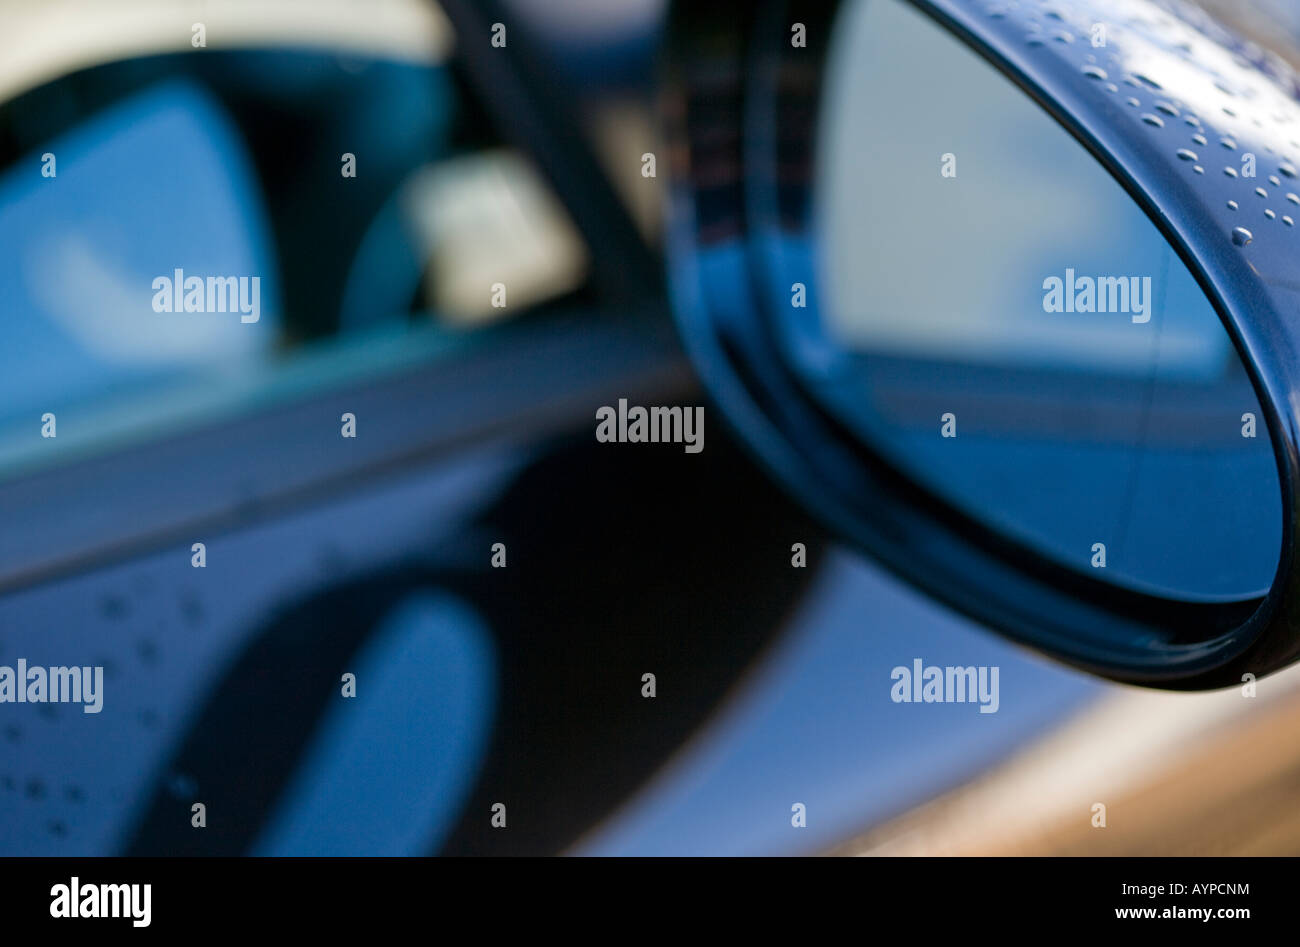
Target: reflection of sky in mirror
[(919, 264), (1077, 428)]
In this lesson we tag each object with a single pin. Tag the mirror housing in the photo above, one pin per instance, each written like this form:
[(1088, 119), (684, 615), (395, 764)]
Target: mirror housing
[(742, 94)]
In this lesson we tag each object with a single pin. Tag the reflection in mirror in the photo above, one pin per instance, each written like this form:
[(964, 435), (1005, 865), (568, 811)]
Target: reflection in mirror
[(1000, 321)]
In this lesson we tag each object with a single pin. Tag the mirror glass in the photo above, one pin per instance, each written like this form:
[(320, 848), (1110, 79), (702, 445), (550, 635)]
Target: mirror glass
[(996, 317)]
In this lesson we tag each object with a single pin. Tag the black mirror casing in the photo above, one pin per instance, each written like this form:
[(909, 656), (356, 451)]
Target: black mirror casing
[(741, 107)]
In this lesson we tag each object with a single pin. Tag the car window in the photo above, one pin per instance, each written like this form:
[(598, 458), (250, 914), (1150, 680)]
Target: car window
[(187, 235)]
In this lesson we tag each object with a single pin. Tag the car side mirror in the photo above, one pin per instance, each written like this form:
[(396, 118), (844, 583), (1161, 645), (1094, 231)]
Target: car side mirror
[(1006, 295)]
